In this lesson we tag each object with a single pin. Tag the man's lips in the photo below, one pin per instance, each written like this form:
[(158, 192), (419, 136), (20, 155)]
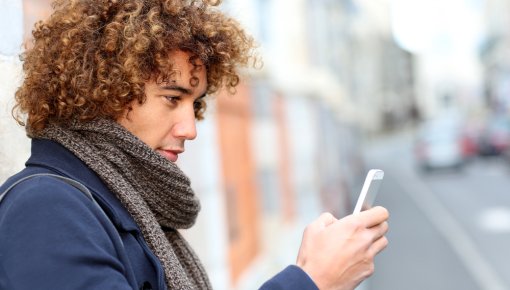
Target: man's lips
[(171, 155)]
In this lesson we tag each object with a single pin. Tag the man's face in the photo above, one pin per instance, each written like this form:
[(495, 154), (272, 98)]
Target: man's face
[(167, 118)]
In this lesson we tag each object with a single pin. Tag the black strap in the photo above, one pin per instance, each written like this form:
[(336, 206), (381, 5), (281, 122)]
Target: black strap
[(70, 181)]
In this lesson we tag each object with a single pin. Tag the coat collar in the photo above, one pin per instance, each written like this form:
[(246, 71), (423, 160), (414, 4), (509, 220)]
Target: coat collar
[(55, 157)]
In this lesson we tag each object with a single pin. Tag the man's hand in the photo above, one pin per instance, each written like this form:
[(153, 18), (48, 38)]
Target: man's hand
[(339, 254)]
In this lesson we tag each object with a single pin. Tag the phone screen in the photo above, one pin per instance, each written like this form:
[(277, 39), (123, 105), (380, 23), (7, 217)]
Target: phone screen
[(370, 189)]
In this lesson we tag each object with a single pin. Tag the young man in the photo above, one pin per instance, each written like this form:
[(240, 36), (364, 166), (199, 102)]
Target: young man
[(112, 91)]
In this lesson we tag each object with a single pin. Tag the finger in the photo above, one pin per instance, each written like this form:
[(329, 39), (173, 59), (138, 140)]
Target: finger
[(374, 216), (325, 219), (378, 246), (379, 230)]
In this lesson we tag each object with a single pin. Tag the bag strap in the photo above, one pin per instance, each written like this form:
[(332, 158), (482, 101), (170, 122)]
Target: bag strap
[(70, 181)]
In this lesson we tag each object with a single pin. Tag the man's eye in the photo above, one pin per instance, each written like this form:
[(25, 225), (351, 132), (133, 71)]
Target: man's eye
[(173, 99), (199, 108), (197, 105)]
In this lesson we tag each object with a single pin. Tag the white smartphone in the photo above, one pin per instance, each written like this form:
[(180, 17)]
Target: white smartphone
[(369, 190)]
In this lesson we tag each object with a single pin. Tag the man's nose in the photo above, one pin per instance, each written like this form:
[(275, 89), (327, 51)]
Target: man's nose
[(185, 127)]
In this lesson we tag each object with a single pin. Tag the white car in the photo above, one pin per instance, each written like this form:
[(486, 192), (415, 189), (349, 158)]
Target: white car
[(440, 144)]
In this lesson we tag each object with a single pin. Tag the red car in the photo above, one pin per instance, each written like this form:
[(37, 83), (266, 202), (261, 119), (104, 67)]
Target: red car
[(494, 136)]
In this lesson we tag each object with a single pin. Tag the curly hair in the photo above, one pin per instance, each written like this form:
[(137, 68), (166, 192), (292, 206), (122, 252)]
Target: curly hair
[(91, 58)]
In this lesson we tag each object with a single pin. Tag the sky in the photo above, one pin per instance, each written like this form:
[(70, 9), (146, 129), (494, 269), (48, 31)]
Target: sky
[(437, 26)]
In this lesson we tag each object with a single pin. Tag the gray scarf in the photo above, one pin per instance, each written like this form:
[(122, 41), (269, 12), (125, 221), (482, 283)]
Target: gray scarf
[(154, 190)]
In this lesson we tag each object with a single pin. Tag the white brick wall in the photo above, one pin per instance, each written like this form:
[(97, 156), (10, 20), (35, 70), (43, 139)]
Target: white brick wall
[(14, 145)]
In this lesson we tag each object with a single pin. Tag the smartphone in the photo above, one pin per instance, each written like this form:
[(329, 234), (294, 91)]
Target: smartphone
[(369, 190)]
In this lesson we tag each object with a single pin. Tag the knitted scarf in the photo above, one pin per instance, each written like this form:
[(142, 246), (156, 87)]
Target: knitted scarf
[(154, 190)]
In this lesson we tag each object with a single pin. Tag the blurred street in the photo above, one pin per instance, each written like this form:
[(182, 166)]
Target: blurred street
[(449, 228)]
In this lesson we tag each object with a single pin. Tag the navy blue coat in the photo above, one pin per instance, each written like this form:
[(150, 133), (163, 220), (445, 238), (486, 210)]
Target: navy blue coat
[(53, 237)]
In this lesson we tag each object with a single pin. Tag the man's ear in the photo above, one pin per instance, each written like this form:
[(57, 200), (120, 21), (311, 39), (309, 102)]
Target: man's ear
[(125, 115), (129, 109)]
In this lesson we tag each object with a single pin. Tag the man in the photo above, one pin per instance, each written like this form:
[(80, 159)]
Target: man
[(112, 91)]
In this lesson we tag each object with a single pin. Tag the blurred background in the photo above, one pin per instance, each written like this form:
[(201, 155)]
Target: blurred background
[(418, 88)]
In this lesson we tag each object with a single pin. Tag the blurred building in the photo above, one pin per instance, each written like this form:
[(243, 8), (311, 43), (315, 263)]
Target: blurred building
[(378, 74), (495, 56)]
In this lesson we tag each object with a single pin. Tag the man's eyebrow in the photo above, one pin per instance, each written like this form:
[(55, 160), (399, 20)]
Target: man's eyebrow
[(177, 88), (182, 90)]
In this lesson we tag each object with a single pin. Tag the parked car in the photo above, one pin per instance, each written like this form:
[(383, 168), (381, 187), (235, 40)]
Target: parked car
[(442, 143), (494, 136)]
